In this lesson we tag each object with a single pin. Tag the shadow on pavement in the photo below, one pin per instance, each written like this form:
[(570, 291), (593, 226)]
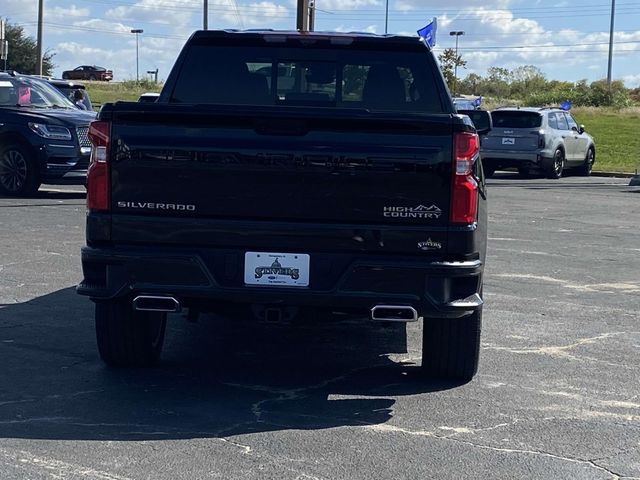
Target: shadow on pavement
[(217, 378)]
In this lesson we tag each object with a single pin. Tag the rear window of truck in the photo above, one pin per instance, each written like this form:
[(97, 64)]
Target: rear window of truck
[(516, 119), (271, 76)]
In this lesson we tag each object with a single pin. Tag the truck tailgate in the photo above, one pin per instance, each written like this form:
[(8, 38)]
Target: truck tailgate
[(179, 163)]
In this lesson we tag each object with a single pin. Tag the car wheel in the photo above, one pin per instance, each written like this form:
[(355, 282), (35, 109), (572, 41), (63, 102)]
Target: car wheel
[(19, 174), (587, 166), (557, 165), (451, 347), (127, 337), (92, 77), (65, 76)]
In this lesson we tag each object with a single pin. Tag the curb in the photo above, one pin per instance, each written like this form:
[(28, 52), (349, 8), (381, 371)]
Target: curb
[(613, 174)]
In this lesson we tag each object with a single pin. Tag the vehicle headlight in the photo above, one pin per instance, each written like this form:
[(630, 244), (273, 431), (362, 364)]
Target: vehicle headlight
[(53, 132)]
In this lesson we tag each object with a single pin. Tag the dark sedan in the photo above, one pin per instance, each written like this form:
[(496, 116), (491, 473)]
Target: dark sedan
[(43, 136), (88, 72)]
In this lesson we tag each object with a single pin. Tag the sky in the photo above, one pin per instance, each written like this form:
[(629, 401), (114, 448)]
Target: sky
[(566, 40)]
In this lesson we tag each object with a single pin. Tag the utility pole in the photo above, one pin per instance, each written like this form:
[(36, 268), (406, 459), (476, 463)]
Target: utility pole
[(302, 18), (205, 17), (39, 39), (4, 44), (613, 13), (312, 15), (386, 18)]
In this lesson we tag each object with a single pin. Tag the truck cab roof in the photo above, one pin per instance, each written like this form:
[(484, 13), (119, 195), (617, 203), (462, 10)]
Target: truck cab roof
[(334, 38)]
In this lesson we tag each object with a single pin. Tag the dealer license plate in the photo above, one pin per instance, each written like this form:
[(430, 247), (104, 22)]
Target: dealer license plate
[(276, 269)]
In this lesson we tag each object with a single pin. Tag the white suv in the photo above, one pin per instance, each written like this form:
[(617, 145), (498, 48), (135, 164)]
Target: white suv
[(537, 140)]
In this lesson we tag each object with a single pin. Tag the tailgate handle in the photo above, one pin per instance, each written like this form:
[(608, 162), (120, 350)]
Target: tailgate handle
[(281, 127)]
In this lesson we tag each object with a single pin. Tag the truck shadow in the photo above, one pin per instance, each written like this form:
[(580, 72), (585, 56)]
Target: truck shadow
[(219, 377)]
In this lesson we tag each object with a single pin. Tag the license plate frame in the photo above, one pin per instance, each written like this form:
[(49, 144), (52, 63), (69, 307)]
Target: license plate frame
[(508, 141), (271, 269)]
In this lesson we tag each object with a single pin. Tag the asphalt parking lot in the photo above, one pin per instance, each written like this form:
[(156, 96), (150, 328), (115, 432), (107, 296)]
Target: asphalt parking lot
[(557, 395)]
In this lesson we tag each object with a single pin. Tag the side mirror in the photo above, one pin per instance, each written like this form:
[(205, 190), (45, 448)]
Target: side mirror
[(581, 129), (481, 120)]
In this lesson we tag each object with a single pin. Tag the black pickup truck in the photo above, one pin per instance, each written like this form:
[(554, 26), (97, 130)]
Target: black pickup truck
[(289, 170)]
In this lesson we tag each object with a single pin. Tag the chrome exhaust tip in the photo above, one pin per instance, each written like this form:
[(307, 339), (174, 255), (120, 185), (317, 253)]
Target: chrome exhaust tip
[(156, 303), (394, 313)]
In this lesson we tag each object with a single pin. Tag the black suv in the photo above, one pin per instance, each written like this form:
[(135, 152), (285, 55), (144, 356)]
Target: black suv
[(43, 136)]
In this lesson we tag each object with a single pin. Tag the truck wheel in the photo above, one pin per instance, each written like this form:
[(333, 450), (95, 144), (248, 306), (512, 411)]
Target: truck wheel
[(587, 166), (126, 337), (556, 166), (451, 347)]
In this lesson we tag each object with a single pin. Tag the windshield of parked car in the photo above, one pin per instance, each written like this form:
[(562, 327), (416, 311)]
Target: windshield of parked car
[(31, 93), (373, 80), (68, 92), (516, 119)]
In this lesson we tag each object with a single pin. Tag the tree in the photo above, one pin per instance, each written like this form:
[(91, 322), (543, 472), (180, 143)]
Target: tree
[(22, 52), (470, 84), (448, 63), (497, 82), (527, 79)]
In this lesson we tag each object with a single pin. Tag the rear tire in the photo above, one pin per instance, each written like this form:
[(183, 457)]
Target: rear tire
[(585, 169), (451, 347), (126, 337), (556, 166), (19, 174)]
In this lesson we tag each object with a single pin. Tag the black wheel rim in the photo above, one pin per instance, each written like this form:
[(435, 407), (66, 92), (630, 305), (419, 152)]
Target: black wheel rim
[(13, 170), (557, 164)]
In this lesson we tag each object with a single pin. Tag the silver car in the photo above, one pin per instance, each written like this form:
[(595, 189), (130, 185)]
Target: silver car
[(537, 140)]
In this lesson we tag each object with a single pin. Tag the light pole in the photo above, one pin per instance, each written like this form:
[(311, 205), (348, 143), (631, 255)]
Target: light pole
[(455, 63), (205, 15), (39, 38), (137, 31)]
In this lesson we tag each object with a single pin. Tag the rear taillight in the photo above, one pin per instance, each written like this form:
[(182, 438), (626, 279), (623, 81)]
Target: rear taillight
[(541, 141), (98, 172), (464, 195)]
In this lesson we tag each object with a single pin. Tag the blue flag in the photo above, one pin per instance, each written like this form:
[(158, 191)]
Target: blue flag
[(566, 105), (428, 33)]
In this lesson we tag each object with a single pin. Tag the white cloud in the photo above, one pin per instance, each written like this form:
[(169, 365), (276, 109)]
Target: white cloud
[(103, 25), (253, 14), (632, 81), (367, 29), (330, 5), (178, 14)]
